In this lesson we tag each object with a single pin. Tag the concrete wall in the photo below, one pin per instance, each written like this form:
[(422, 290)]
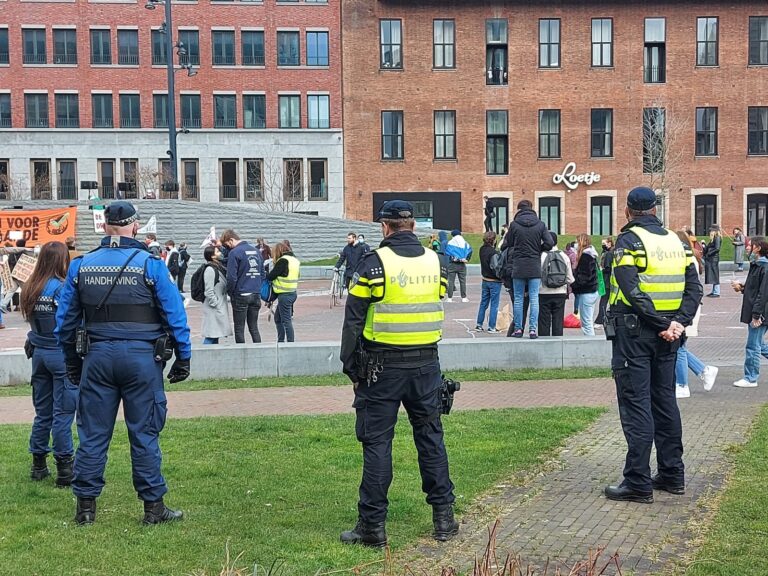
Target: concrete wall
[(315, 358)]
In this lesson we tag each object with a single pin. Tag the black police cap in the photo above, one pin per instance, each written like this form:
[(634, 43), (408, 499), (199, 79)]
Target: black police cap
[(120, 213), (395, 210), (642, 199)]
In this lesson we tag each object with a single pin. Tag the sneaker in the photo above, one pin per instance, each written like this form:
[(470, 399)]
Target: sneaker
[(479, 328), (713, 295), (709, 375), (448, 299), (744, 383), (493, 331), (517, 334), (532, 335), (465, 299), (682, 391)]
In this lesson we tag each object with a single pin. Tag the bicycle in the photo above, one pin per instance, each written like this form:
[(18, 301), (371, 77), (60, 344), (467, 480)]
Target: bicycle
[(337, 288)]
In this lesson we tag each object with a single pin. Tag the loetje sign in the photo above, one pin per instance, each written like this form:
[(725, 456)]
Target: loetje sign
[(38, 226), (571, 179)]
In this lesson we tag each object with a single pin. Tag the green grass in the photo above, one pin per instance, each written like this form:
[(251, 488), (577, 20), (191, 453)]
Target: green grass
[(738, 539), (273, 487), (341, 380)]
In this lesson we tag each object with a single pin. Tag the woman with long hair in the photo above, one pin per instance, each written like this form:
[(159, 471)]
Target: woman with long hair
[(585, 283), (53, 395), (216, 322), (712, 261), (738, 249), (285, 281)]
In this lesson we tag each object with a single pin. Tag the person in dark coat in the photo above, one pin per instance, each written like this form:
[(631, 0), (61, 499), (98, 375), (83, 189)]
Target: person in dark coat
[(351, 254), (606, 262), (527, 238), (754, 313), (489, 214), (712, 261)]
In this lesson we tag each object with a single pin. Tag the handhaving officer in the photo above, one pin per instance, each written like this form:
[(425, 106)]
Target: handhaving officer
[(655, 292), (392, 324), (119, 320)]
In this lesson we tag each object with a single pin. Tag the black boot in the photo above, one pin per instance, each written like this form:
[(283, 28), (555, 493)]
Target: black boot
[(64, 472), (372, 535), (158, 513), (446, 526), (86, 511), (39, 467)]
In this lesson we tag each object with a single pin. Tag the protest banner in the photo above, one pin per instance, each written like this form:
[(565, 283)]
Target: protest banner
[(38, 226), (24, 267)]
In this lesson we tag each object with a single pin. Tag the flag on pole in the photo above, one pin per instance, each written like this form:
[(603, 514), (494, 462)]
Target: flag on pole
[(210, 239), (150, 227)]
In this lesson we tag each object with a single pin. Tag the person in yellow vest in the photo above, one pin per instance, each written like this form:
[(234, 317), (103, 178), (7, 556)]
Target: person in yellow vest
[(285, 280), (655, 292), (392, 324)]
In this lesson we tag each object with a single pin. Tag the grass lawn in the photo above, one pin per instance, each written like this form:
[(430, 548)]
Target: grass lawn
[(737, 542), (273, 487), (341, 380)]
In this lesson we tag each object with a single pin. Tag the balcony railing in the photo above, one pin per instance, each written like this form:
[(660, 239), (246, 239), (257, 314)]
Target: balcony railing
[(67, 189), (229, 192), (5, 122), (293, 193), (41, 194), (189, 123), (190, 192), (67, 123), (169, 192), (254, 193), (101, 59), (107, 191), (65, 58), (654, 75), (128, 59), (159, 60), (223, 60), (162, 123), (34, 58), (190, 59), (103, 123), (253, 59), (225, 123), (130, 123), (37, 123), (4, 59), (318, 192)]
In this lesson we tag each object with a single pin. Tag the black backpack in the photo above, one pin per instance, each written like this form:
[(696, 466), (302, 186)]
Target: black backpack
[(197, 287), (554, 271), (498, 260)]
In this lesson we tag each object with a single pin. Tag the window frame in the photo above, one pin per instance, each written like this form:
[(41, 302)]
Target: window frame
[(71, 117), (704, 202), (546, 44), (548, 135), (131, 121), (706, 133), (442, 47), (444, 135), (550, 202), (382, 60), (38, 99), (252, 58), (319, 61), (191, 100), (104, 57), (294, 34), (494, 140), (190, 191), (5, 49), (318, 98), (762, 43), (706, 43), (67, 57), (219, 44), (258, 193), (191, 40), (397, 140), (658, 47), (602, 43), (601, 202), (323, 194), (294, 110), (111, 119), (39, 40), (225, 102), (606, 134), (40, 190), (255, 98), (128, 59), (6, 121), (761, 133), (160, 102), (103, 192), (292, 197), (157, 39)]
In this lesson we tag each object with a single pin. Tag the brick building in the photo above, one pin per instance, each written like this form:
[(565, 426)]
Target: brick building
[(568, 104), (83, 98)]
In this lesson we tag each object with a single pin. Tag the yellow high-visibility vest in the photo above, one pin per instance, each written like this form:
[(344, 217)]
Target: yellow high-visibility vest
[(665, 260), (290, 283), (410, 313)]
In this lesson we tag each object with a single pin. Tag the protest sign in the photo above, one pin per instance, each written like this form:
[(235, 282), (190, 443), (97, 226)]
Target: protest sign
[(24, 267)]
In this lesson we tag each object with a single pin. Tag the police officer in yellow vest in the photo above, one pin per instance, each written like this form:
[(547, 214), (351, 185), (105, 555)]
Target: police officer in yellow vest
[(392, 324), (655, 293)]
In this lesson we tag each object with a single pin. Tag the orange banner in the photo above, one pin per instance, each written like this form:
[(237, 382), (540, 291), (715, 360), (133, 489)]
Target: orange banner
[(37, 226)]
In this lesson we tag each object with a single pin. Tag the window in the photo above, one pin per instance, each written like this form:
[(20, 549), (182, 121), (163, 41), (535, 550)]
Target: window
[(67, 111), (317, 48), (496, 52), (293, 187), (757, 213), (159, 57), (102, 110), (290, 111), (391, 39), (655, 51), (288, 49), (392, 135), (224, 111), (549, 133), (254, 184), (67, 183), (128, 47), (101, 49), (64, 46), (706, 41), (130, 111), (706, 131), (190, 111), (191, 41), (5, 111), (318, 179), (106, 173), (602, 133), (223, 48), (130, 179), (191, 188), (549, 43), (444, 44), (705, 210), (549, 213), (4, 180), (229, 187), (169, 187), (36, 110), (253, 48), (602, 215), (497, 142), (254, 111), (40, 175), (319, 109), (757, 123), (758, 40), (445, 134), (654, 149), (160, 110), (34, 45), (4, 56), (602, 42)]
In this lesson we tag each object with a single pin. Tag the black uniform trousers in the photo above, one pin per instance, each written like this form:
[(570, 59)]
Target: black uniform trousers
[(377, 407), (644, 369)]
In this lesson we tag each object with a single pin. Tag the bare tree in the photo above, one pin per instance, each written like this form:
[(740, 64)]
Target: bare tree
[(282, 184), (147, 181), (13, 188), (42, 188)]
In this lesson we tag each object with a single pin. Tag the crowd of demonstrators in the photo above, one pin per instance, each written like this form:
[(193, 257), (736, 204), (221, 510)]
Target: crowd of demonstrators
[(458, 252), (491, 285), (606, 263), (739, 245), (216, 323), (245, 273), (554, 289), (285, 282), (585, 284), (712, 261), (350, 256)]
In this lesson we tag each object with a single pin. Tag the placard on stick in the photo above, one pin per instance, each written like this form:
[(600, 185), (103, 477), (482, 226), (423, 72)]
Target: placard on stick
[(24, 267)]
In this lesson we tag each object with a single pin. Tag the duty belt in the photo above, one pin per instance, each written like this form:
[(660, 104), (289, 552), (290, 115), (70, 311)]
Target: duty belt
[(403, 356), (136, 313)]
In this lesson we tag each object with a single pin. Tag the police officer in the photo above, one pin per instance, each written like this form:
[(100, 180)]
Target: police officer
[(655, 293), (118, 320), (392, 324)]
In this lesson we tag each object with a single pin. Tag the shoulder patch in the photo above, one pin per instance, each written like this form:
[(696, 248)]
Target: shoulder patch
[(618, 254), (353, 281)]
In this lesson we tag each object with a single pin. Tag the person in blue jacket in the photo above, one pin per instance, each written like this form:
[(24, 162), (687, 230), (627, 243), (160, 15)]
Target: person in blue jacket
[(53, 395), (119, 320)]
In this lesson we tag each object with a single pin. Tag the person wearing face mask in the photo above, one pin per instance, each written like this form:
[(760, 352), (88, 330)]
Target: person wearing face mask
[(216, 322)]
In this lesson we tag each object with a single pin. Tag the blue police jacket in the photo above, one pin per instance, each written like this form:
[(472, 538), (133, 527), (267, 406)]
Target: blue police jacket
[(245, 270), (144, 304), (42, 321)]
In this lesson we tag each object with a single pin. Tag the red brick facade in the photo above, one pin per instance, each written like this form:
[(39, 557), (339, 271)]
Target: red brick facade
[(574, 88)]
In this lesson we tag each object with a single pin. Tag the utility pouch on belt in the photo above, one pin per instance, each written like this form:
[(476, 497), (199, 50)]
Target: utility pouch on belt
[(163, 349), (81, 341), (610, 329)]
